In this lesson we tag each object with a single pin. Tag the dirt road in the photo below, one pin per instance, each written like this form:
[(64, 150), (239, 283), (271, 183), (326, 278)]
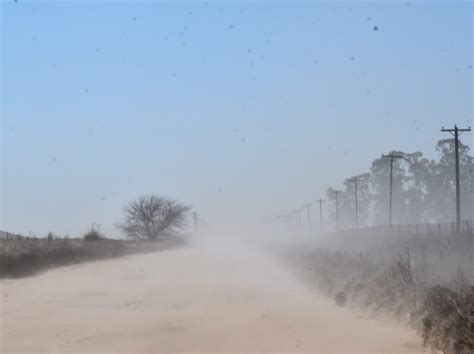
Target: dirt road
[(184, 301)]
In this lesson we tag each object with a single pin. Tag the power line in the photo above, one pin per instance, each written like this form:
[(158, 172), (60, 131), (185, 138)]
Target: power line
[(456, 132), (392, 156)]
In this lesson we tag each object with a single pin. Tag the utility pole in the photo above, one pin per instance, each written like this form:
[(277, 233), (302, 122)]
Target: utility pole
[(392, 156), (293, 212), (297, 219), (308, 206), (281, 220), (456, 132), (195, 221), (356, 180), (336, 193), (320, 201), (300, 221)]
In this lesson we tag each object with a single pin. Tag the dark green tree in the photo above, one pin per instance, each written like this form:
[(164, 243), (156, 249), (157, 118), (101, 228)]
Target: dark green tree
[(441, 183)]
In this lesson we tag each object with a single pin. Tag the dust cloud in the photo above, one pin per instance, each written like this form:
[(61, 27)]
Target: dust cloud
[(227, 298)]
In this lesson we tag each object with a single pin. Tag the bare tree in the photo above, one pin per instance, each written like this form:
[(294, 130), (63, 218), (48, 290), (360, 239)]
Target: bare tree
[(153, 217)]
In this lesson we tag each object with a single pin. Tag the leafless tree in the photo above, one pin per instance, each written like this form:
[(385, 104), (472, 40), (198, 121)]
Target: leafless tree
[(153, 217)]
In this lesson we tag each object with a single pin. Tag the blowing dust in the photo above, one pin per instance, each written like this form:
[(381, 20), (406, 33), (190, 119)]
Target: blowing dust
[(227, 298)]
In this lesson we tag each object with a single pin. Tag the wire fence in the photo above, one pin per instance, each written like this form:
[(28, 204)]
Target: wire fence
[(447, 228), (9, 236)]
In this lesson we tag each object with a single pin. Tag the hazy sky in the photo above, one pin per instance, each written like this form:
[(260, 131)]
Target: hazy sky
[(244, 110)]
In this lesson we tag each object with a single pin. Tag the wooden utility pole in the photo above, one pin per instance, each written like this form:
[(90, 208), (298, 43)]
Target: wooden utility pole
[(456, 132), (320, 201), (300, 221), (293, 212), (297, 213), (392, 156), (195, 221), (336, 193), (356, 180), (308, 206)]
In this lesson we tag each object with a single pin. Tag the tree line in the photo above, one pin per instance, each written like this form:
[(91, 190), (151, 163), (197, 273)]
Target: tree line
[(423, 189)]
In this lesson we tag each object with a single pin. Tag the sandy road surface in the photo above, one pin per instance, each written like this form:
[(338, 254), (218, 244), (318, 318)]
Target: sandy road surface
[(184, 301)]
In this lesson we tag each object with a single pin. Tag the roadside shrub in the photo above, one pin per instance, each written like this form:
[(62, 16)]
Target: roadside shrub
[(448, 320), (340, 298), (93, 234)]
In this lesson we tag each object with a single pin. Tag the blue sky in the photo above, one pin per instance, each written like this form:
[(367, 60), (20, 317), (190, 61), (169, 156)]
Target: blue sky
[(243, 109)]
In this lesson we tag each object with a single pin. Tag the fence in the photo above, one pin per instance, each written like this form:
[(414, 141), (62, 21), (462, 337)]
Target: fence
[(413, 229), (8, 235)]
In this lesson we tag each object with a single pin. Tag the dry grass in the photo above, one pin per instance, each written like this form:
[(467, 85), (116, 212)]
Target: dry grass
[(20, 256), (447, 319), (424, 281)]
